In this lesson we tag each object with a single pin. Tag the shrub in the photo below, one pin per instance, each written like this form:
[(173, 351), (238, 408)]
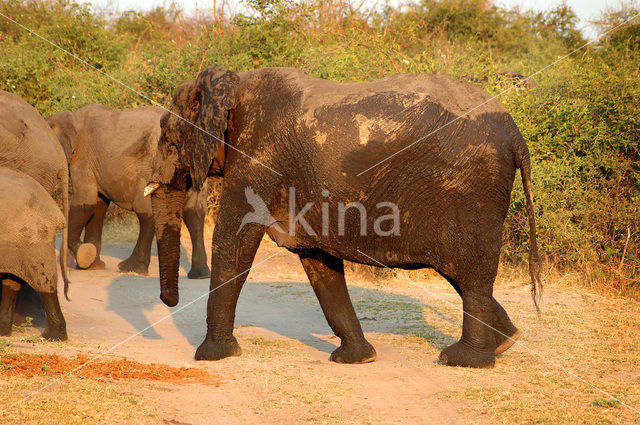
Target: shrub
[(582, 123)]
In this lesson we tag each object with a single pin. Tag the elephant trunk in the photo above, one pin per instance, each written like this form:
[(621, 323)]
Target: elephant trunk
[(168, 205)]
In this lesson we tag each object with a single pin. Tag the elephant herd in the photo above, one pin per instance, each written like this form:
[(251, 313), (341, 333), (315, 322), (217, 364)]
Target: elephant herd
[(109, 153), (309, 162)]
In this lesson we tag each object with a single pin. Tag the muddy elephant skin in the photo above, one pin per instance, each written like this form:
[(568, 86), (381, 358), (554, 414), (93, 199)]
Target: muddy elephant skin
[(27, 144), (307, 142), (110, 153), (30, 220)]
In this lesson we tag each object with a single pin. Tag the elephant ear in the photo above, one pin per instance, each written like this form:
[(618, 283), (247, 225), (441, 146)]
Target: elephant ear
[(172, 159), (65, 127), (214, 94)]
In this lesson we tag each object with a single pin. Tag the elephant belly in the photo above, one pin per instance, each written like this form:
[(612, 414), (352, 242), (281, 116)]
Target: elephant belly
[(398, 228)]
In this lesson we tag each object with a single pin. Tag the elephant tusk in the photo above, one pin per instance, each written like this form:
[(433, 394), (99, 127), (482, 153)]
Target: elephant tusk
[(151, 187)]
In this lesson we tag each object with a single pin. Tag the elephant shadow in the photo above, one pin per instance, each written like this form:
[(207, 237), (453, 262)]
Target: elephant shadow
[(135, 297), (291, 309), (287, 308)]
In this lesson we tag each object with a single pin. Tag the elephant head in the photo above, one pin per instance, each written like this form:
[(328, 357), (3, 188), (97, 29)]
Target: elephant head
[(190, 148), (65, 127)]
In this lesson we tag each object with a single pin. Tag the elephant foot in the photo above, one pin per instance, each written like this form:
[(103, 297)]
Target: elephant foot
[(98, 264), (54, 333), (361, 352), (199, 273), (503, 343), (461, 354), (85, 255), (132, 266), (214, 350)]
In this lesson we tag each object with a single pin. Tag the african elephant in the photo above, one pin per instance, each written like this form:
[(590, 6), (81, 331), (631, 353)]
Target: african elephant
[(30, 220), (439, 155), (29, 145), (110, 153)]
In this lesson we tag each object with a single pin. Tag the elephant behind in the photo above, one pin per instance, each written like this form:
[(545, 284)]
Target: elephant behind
[(110, 153), (30, 219), (440, 153), (27, 144)]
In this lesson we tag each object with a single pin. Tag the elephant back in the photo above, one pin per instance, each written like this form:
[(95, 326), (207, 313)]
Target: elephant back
[(28, 143), (30, 220)]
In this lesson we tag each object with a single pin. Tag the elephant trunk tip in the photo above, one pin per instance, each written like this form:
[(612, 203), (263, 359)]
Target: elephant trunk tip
[(169, 297)]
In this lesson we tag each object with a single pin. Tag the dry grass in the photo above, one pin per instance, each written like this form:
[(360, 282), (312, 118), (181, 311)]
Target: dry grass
[(74, 401), (581, 338)]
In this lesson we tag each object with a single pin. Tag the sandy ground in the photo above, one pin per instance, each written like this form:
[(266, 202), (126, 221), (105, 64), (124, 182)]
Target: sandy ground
[(284, 376)]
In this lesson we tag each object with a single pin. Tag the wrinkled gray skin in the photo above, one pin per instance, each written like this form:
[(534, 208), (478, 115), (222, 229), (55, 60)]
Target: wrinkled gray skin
[(28, 144), (452, 190), (110, 152), (30, 220)]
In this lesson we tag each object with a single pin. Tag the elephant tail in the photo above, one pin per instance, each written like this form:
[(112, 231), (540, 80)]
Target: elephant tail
[(523, 162), (64, 248)]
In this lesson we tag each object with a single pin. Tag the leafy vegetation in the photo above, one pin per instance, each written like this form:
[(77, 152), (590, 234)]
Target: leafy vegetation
[(582, 121)]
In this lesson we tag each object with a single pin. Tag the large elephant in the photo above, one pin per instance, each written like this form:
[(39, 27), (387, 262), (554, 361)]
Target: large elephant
[(110, 153), (27, 144), (300, 151), (30, 219)]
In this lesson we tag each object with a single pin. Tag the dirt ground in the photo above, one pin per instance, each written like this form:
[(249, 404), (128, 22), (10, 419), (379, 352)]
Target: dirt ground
[(284, 376)]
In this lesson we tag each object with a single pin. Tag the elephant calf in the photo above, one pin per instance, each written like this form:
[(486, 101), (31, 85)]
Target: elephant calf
[(30, 219), (110, 153)]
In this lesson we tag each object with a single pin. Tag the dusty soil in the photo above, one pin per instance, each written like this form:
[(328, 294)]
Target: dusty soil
[(52, 365), (284, 376)]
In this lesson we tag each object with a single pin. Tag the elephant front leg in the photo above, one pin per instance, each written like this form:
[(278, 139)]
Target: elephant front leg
[(10, 289), (83, 206), (56, 328), (138, 261), (231, 260), (93, 231), (79, 216), (194, 214), (476, 347), (326, 274)]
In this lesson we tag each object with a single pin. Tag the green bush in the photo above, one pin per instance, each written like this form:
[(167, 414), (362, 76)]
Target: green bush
[(582, 122)]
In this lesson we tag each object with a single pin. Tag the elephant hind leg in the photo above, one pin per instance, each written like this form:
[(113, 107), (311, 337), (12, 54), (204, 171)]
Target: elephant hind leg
[(504, 331), (10, 289), (193, 216), (476, 347), (326, 274), (29, 306), (56, 328)]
